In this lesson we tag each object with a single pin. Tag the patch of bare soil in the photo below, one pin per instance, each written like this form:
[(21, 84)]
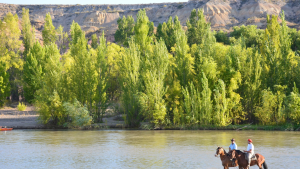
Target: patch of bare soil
[(11, 117)]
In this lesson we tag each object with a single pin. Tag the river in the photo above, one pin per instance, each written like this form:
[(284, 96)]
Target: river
[(140, 148)]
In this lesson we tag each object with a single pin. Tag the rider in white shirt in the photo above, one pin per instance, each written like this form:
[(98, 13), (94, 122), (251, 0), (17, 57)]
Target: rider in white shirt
[(232, 146), (249, 152)]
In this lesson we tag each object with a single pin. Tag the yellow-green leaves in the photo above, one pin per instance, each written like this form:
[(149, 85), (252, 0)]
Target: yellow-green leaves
[(49, 32)]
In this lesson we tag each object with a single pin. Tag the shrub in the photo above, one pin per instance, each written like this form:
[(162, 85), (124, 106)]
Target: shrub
[(78, 114), (21, 106)]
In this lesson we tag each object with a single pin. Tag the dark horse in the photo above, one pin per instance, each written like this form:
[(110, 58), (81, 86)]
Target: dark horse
[(243, 162), (226, 162)]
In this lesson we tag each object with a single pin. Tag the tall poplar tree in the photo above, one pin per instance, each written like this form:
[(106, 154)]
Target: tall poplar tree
[(125, 29), (48, 99), (33, 71), (28, 32), (141, 30), (10, 44), (94, 43), (156, 66), (101, 69), (82, 71), (49, 32), (197, 27), (131, 83)]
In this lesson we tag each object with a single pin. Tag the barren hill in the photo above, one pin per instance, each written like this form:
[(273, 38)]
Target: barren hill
[(223, 14)]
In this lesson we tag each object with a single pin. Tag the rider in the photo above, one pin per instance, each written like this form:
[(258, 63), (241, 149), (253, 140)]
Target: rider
[(232, 146), (249, 152)]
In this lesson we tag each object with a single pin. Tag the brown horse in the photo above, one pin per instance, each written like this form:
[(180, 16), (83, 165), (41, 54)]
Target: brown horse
[(226, 162), (243, 162)]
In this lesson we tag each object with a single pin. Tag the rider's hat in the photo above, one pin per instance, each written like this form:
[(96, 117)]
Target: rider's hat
[(250, 140), (232, 139)]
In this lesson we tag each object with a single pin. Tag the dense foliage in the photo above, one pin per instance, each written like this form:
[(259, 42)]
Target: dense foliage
[(169, 77)]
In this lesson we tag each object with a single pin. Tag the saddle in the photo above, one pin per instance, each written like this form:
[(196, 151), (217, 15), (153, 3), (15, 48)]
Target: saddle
[(253, 158)]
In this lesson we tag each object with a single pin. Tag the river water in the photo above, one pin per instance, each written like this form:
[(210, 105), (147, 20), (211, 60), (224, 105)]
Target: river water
[(140, 148)]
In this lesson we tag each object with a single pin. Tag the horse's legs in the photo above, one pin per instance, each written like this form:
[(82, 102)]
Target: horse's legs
[(259, 165)]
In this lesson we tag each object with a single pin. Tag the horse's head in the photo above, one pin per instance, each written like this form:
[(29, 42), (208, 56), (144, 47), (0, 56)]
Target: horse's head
[(219, 150), (231, 154)]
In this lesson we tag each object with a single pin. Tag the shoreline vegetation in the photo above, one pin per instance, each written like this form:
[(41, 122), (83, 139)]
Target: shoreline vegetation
[(169, 77), (28, 119)]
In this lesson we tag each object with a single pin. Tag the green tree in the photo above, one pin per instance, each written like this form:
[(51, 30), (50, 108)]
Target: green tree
[(28, 33), (125, 29), (293, 106), (166, 31), (206, 102), (130, 83), (48, 99), (252, 35), (251, 86), (220, 116), (49, 32), (197, 27), (10, 44), (271, 110), (156, 66), (94, 43), (4, 84), (191, 105), (114, 53), (141, 30), (101, 69), (33, 71), (222, 37), (183, 60), (83, 70), (62, 38)]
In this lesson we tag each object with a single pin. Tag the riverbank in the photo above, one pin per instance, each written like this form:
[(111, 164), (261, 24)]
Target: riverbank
[(10, 117)]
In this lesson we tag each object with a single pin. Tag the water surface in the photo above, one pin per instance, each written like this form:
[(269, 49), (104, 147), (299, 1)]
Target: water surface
[(140, 149)]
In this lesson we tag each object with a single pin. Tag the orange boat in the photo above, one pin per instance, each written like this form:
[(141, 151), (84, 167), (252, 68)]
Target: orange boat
[(5, 129)]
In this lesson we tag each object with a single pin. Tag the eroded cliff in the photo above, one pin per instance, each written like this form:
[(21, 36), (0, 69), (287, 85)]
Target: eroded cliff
[(223, 14)]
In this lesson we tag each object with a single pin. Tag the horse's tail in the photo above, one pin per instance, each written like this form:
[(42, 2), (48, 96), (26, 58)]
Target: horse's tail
[(265, 165)]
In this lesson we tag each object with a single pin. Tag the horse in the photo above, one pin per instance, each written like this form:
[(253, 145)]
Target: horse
[(243, 162), (226, 162)]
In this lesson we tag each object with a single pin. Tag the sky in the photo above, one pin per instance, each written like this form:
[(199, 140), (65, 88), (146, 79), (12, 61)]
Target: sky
[(83, 2)]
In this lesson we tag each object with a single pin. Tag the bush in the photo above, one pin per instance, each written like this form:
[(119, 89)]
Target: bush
[(293, 108), (79, 114), (21, 106)]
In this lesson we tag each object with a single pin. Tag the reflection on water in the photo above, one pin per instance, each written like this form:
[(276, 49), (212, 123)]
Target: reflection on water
[(139, 149)]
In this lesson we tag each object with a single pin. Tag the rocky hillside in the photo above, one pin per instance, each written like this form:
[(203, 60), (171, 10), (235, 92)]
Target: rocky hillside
[(223, 14)]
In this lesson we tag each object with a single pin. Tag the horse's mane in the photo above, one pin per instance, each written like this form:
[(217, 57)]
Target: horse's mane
[(239, 152), (223, 149)]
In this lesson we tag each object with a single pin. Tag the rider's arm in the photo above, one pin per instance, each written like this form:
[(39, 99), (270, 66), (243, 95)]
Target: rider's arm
[(248, 151)]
